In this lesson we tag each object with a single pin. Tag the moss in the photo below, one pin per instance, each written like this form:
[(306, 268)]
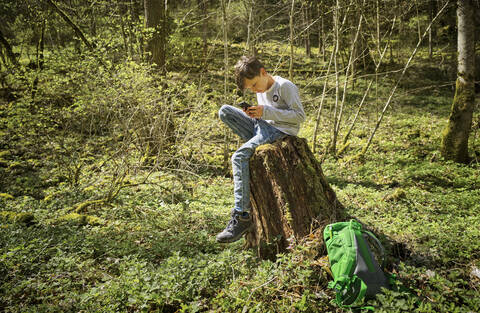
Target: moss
[(454, 144), (265, 147), (358, 158), (288, 215), (343, 148), (82, 207), (49, 197), (15, 165), (79, 219), (14, 217), (6, 196), (5, 153), (397, 194)]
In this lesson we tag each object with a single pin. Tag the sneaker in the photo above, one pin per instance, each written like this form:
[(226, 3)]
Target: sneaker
[(239, 224)]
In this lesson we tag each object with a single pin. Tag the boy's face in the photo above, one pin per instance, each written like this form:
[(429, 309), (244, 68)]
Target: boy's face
[(259, 83)]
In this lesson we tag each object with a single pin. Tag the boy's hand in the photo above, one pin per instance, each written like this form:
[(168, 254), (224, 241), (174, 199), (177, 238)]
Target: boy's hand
[(255, 111)]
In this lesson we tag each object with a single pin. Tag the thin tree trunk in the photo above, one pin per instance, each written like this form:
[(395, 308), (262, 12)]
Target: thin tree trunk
[(290, 71), (322, 40), (204, 4), (131, 33), (225, 72), (75, 28), (455, 137), (350, 61), (40, 58), (8, 49), (306, 18), (249, 7), (430, 35), (155, 20), (418, 22), (321, 35), (93, 21), (124, 36), (319, 112), (122, 10), (333, 147), (378, 26), (225, 47)]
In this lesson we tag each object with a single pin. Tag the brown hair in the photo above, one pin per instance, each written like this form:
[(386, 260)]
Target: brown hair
[(247, 67)]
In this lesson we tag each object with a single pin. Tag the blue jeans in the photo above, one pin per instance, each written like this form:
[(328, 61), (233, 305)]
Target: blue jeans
[(255, 132)]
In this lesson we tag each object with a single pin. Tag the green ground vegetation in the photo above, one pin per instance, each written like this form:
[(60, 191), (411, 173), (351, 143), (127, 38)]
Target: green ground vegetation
[(96, 216)]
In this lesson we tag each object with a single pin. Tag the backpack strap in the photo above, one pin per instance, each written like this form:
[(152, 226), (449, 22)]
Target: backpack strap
[(379, 246)]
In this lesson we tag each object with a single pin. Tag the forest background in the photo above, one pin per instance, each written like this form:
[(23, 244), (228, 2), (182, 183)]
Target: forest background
[(115, 170)]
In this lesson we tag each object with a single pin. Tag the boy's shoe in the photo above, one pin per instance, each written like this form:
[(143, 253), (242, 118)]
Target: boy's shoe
[(239, 224)]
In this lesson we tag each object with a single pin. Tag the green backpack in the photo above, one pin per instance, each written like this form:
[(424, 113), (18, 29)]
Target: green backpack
[(355, 270)]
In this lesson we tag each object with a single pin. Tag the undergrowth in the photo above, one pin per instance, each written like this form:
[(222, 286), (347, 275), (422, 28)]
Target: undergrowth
[(151, 247)]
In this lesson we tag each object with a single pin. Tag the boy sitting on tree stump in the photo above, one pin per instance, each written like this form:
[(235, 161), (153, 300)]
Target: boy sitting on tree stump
[(279, 113)]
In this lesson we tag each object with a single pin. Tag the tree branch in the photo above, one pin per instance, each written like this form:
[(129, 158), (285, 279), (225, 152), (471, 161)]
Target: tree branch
[(72, 24)]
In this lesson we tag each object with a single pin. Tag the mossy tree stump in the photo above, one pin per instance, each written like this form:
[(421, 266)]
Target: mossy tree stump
[(289, 196)]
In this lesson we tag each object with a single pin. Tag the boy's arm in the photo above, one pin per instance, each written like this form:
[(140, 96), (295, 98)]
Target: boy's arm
[(294, 114)]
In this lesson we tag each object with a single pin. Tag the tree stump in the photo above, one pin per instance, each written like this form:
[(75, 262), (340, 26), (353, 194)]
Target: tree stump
[(289, 196)]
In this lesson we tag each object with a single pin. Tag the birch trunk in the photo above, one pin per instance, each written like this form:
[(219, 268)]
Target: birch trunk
[(455, 136)]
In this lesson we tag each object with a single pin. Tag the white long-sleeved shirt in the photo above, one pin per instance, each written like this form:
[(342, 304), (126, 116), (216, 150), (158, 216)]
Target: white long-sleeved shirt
[(282, 107)]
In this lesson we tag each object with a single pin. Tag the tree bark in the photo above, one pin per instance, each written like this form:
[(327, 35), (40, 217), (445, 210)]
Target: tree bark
[(155, 20), (290, 196), (8, 49), (455, 137)]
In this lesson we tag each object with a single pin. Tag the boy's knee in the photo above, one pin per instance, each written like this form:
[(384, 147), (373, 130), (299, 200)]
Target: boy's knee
[(242, 154), (224, 112)]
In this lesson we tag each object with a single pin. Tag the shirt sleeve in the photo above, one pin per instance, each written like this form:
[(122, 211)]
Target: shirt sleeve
[(293, 114)]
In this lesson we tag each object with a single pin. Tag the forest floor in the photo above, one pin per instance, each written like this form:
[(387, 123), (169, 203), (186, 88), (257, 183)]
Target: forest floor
[(152, 248)]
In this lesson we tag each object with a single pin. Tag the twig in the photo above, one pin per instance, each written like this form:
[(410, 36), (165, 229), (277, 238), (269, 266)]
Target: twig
[(368, 88), (245, 308), (319, 112)]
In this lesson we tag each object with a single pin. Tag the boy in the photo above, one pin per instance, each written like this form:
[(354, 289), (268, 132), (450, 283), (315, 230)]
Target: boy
[(279, 113)]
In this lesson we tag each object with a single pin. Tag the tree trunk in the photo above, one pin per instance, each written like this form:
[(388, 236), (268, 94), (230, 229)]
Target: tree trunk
[(455, 137), (40, 58), (69, 21), (8, 49), (226, 74), (155, 20), (321, 35), (204, 7), (289, 196), (307, 21), (431, 11), (290, 70), (333, 144)]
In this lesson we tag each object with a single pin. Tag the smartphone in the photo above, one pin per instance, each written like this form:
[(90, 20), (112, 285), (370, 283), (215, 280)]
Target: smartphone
[(244, 105)]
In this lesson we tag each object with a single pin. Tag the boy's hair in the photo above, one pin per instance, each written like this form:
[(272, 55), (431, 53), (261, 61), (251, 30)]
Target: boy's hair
[(246, 67)]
